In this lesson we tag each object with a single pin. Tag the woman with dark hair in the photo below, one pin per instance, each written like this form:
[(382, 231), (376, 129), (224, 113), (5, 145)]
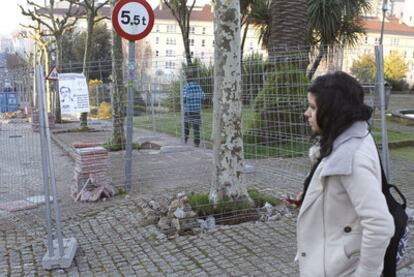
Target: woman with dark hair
[(343, 226)]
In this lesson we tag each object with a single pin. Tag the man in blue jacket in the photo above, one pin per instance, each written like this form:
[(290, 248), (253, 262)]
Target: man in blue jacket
[(193, 94)]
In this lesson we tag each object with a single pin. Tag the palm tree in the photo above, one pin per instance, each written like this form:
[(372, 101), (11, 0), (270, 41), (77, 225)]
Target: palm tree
[(261, 19), (334, 23), (245, 10), (289, 25)]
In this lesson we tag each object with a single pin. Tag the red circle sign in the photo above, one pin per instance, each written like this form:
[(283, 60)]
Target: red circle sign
[(133, 19)]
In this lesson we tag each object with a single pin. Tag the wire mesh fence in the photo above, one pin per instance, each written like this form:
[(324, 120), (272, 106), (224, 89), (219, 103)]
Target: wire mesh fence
[(275, 134)]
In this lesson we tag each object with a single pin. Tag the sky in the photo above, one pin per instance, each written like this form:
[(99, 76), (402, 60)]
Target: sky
[(10, 16)]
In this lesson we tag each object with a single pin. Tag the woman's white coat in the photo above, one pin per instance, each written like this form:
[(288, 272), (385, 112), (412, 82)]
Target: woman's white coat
[(344, 226)]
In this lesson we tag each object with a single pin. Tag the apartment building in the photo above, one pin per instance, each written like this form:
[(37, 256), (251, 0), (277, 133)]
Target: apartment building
[(167, 46), (398, 36)]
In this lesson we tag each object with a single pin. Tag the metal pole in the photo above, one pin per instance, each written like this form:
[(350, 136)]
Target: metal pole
[(182, 106), (384, 11), (128, 149), (154, 128), (380, 81), (45, 172), (34, 96)]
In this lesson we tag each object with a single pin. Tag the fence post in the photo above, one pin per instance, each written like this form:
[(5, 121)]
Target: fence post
[(154, 127), (66, 249), (130, 111), (379, 58), (182, 104)]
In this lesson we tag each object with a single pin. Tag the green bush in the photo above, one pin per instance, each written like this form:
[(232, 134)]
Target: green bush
[(398, 85), (252, 76), (279, 107), (172, 102)]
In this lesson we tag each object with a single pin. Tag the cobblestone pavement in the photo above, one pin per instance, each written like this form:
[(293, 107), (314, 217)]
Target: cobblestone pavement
[(115, 239)]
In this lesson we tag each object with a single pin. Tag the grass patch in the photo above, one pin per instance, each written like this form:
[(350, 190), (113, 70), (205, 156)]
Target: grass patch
[(231, 212), (260, 198), (170, 123), (400, 120), (403, 153), (259, 151), (118, 147), (393, 136)]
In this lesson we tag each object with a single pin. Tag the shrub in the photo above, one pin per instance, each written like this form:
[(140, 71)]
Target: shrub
[(398, 85), (252, 76), (279, 107), (105, 111)]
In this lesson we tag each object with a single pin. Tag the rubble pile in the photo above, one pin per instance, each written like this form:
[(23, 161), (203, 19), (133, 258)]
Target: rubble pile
[(91, 181), (12, 115), (175, 217)]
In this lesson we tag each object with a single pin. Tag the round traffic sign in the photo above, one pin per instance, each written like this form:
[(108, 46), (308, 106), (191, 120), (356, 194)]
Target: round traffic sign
[(133, 19)]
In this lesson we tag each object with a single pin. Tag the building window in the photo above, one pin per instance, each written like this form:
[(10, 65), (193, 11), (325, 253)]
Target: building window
[(169, 64), (157, 28), (169, 53), (204, 30), (366, 39), (376, 40), (413, 54), (157, 40), (157, 53), (191, 42), (395, 41), (202, 54), (192, 54), (203, 43), (170, 28), (192, 30), (405, 54), (171, 41)]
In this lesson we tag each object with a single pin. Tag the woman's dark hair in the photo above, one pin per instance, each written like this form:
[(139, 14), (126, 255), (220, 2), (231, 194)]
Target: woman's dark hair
[(340, 102)]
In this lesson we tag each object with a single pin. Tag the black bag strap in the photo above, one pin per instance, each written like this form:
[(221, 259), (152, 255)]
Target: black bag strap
[(385, 185)]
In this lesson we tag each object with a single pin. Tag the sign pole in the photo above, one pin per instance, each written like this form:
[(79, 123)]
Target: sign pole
[(130, 111), (132, 20)]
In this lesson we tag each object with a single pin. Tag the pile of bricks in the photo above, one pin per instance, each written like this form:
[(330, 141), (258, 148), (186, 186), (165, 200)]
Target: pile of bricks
[(91, 181), (36, 120)]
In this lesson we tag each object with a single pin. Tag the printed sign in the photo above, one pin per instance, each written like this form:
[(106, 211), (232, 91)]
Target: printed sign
[(133, 19), (73, 92)]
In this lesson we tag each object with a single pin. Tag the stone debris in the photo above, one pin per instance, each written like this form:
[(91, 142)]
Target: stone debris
[(12, 115), (173, 217), (91, 181), (208, 224), (270, 213)]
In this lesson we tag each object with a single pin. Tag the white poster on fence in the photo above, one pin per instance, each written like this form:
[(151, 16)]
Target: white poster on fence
[(73, 91)]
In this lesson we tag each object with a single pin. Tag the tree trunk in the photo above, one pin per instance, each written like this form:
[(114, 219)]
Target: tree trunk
[(118, 90), (289, 25), (243, 41), (227, 181), (86, 58), (186, 42), (316, 63)]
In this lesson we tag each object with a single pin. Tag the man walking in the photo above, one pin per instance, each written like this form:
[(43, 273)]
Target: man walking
[(193, 95)]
